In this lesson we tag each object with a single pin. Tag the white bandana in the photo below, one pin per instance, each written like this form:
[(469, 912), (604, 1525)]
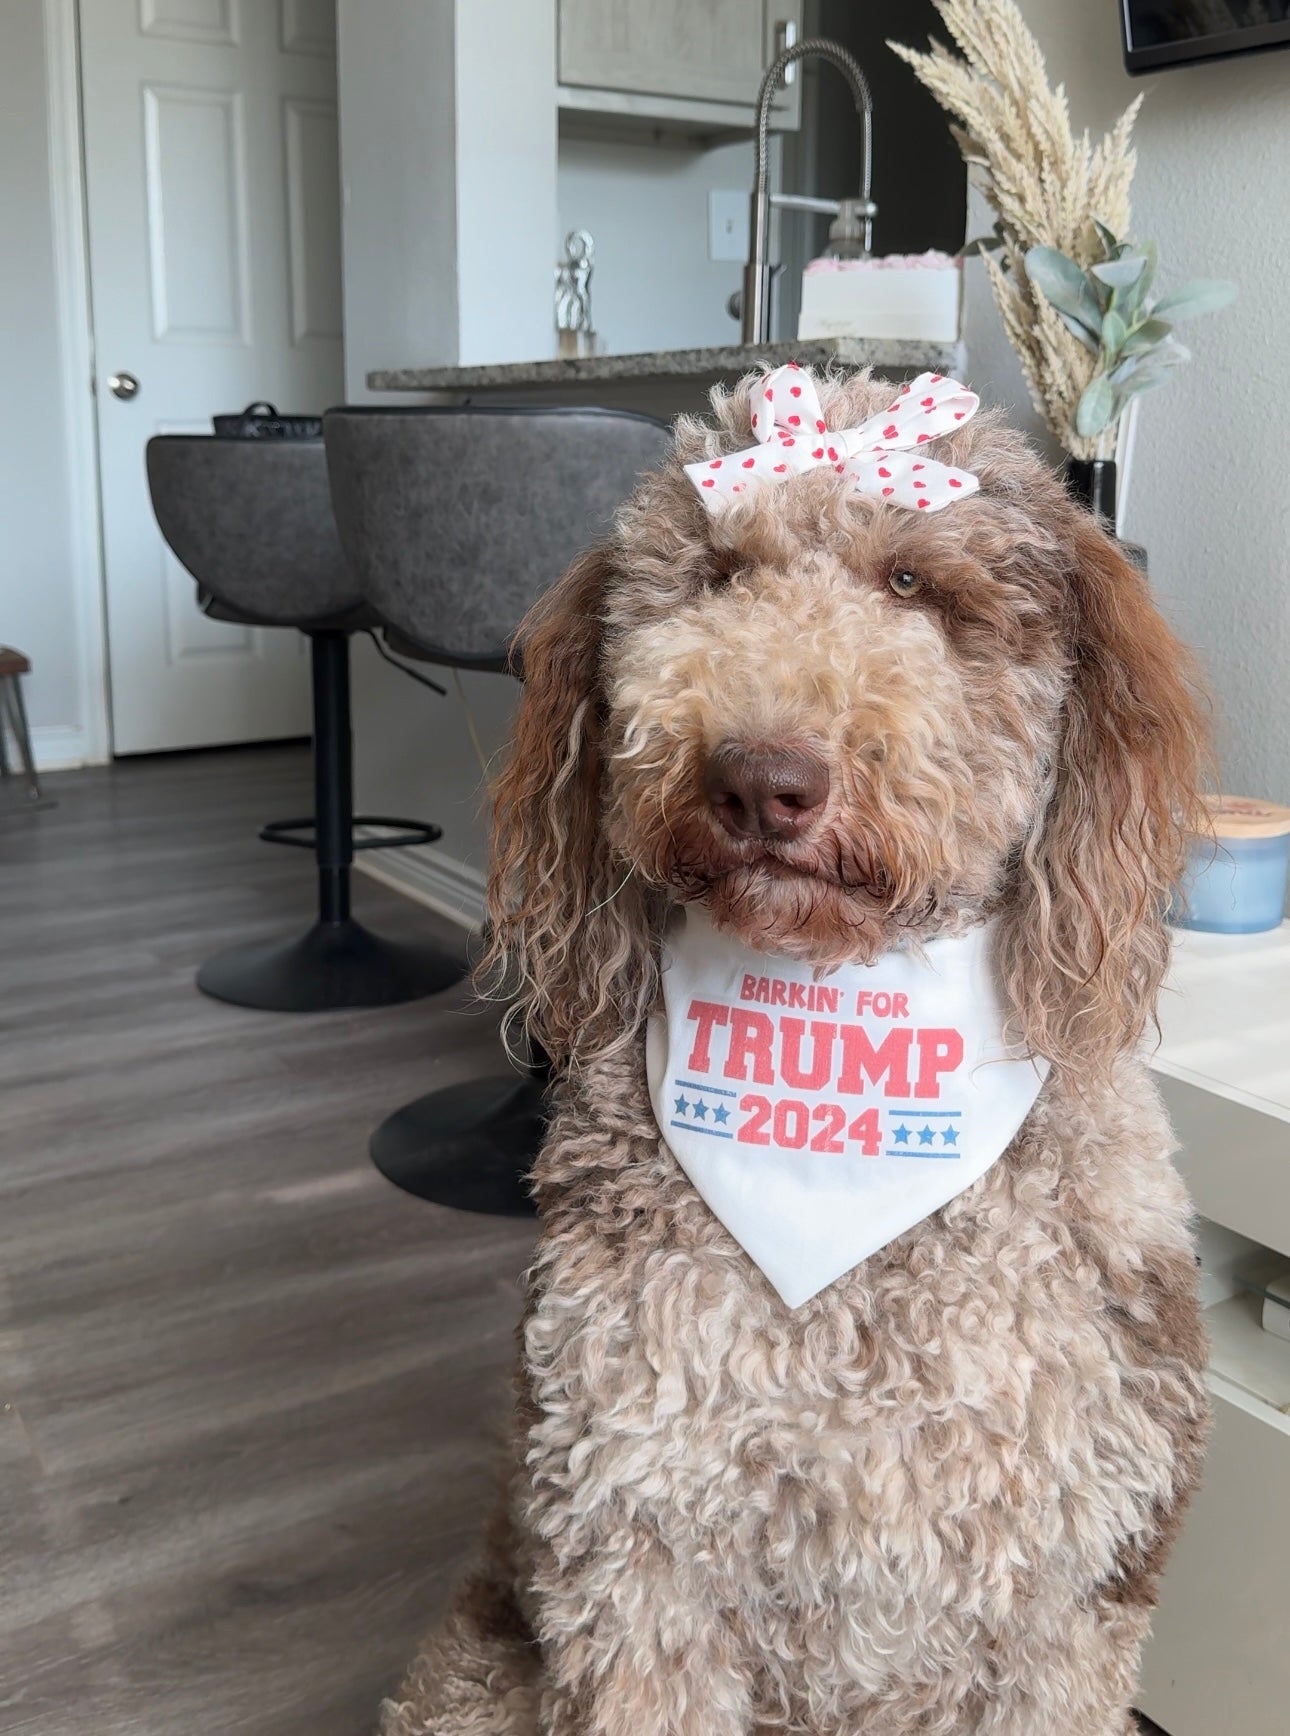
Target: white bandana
[(821, 1120)]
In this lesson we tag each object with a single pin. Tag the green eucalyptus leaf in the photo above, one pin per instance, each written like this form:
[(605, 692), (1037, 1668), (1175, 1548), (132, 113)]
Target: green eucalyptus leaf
[(1151, 254), (1114, 333), (1080, 330), (1129, 301), (1096, 407), (1144, 381), (1110, 241), (1128, 304), (1152, 368), (1145, 337), (1119, 273), (1062, 282), (1202, 295)]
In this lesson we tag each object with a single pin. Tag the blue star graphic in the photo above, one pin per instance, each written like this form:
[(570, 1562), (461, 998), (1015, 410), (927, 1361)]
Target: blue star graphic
[(721, 1115), (925, 1136), (681, 1105), (901, 1135), (701, 1110), (950, 1135)]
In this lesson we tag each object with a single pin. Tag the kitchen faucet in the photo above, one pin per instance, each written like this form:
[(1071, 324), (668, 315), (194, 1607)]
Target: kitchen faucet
[(855, 216)]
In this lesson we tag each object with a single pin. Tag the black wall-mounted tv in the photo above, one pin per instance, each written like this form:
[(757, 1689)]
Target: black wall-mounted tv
[(1160, 33)]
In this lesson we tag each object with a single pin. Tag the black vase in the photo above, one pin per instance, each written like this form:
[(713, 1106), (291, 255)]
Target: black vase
[(1092, 482)]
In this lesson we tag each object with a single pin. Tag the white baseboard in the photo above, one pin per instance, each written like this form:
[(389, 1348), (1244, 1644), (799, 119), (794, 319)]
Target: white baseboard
[(57, 747), (452, 888)]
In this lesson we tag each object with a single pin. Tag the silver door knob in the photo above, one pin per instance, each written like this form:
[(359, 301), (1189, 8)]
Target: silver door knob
[(123, 386)]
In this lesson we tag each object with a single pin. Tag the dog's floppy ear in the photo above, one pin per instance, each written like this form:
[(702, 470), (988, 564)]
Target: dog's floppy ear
[(1085, 945), (565, 927)]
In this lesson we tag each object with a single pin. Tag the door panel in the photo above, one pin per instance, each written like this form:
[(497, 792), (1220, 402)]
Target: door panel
[(195, 182), (212, 21), (313, 174), (214, 225)]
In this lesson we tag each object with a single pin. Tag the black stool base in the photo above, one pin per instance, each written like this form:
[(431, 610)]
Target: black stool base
[(333, 966), (470, 1146)]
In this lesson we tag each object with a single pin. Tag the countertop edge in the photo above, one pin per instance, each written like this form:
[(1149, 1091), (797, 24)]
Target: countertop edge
[(899, 354)]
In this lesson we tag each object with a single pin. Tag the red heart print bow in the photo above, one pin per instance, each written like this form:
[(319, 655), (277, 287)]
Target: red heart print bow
[(883, 457)]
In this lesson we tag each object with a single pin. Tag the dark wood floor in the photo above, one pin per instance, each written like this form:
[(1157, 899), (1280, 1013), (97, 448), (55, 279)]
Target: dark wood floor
[(250, 1390)]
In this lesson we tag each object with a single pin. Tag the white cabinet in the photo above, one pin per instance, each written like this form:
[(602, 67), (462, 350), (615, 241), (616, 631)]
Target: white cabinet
[(695, 63), (1218, 1660)]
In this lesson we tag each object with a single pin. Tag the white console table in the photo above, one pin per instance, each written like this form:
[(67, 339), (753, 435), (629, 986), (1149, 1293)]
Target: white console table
[(1219, 1661)]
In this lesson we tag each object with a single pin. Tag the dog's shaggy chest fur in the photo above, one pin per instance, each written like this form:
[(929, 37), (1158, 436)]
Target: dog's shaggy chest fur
[(934, 1500), (963, 1449)]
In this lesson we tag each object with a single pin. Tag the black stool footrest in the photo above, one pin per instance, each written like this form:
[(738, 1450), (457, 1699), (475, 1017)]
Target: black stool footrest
[(406, 833)]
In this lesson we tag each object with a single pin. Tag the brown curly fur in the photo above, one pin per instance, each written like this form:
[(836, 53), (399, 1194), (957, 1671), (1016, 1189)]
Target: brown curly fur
[(936, 1498)]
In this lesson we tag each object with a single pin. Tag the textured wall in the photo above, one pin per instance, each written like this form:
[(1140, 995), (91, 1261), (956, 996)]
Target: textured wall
[(1210, 495)]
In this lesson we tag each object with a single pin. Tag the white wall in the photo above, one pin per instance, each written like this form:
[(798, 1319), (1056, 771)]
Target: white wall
[(398, 190), (40, 602), (654, 286), (448, 143), (1210, 497), (506, 174)]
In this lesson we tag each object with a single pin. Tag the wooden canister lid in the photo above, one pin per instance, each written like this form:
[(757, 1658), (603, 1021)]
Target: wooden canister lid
[(1247, 817)]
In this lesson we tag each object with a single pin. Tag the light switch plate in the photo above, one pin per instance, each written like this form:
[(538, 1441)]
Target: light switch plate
[(728, 225)]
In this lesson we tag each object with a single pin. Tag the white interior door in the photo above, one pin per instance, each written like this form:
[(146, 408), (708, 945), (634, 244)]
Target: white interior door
[(214, 225)]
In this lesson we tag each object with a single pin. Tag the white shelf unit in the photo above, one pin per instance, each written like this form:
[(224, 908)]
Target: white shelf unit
[(1244, 1356), (1218, 1659)]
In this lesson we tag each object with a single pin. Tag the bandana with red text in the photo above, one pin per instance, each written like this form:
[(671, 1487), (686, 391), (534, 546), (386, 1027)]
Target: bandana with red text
[(819, 1120)]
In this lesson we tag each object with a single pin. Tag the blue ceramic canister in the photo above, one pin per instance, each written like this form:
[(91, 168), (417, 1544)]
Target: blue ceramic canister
[(1235, 882)]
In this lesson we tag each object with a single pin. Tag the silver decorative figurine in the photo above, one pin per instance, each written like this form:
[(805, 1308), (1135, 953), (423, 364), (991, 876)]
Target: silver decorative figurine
[(575, 333)]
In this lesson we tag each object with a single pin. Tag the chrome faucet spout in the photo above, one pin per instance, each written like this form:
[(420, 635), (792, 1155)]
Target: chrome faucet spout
[(759, 273)]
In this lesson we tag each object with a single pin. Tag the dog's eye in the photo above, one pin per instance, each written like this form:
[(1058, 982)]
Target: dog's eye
[(905, 584)]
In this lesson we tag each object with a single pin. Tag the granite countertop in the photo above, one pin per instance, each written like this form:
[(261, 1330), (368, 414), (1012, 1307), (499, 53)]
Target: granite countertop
[(898, 356)]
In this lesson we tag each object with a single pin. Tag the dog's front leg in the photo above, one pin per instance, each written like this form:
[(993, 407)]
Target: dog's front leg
[(630, 1650)]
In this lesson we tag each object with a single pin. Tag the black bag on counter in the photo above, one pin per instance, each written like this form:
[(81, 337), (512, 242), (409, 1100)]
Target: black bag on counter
[(261, 421)]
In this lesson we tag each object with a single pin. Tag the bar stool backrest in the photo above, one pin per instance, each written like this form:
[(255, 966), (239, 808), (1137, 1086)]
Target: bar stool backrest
[(252, 522), (456, 520)]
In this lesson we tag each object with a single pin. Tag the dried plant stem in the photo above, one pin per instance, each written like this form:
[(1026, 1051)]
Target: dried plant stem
[(1046, 185)]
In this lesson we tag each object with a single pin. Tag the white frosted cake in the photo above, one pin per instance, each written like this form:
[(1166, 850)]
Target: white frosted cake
[(903, 295)]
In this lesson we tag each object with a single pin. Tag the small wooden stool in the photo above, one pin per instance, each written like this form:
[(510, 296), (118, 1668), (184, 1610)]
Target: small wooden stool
[(13, 716)]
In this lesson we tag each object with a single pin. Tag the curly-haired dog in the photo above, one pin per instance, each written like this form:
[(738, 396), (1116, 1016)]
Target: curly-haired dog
[(937, 1497)]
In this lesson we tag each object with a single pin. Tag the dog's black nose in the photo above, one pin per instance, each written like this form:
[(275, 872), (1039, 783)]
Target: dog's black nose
[(759, 792)]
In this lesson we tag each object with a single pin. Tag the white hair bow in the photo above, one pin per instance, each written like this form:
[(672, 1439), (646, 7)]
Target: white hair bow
[(881, 457)]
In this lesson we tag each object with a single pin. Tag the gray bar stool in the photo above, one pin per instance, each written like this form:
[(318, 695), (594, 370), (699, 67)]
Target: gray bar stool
[(251, 520), (455, 521)]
